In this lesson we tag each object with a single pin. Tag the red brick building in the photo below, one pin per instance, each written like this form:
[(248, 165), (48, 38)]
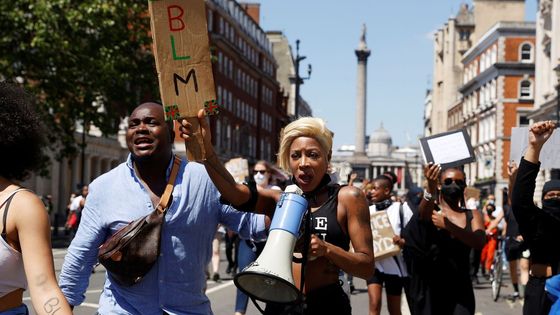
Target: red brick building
[(253, 110), (497, 94)]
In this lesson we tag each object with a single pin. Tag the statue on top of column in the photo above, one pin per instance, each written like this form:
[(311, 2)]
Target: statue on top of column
[(363, 45)]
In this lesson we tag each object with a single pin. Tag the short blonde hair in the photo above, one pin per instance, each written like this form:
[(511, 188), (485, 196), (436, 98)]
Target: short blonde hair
[(304, 127)]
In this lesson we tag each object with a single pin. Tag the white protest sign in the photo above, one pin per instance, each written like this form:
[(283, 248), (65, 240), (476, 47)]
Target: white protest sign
[(550, 153), (449, 149), (382, 233), (238, 168)]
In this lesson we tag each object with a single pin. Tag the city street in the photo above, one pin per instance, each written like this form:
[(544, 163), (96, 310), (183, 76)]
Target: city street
[(222, 294)]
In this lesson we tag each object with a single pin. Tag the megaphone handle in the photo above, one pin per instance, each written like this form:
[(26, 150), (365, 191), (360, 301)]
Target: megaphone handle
[(256, 304), (305, 251)]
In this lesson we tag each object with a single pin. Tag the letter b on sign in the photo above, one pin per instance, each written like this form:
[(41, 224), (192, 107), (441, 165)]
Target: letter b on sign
[(175, 18)]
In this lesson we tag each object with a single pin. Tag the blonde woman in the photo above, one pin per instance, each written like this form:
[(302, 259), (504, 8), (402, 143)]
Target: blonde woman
[(340, 215)]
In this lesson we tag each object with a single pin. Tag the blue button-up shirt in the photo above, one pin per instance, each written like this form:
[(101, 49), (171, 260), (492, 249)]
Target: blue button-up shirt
[(177, 281)]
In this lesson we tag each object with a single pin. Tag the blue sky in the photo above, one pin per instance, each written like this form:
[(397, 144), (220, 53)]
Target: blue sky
[(399, 68)]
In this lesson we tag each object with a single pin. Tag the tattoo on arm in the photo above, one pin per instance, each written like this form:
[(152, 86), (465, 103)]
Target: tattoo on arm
[(52, 306)]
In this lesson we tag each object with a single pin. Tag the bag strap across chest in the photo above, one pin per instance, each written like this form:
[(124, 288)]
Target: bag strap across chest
[(166, 197)]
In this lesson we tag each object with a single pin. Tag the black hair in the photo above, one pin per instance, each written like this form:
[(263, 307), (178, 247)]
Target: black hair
[(22, 133), (391, 176), (385, 181)]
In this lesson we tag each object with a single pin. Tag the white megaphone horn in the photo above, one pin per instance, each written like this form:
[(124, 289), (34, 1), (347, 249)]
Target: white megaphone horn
[(269, 278)]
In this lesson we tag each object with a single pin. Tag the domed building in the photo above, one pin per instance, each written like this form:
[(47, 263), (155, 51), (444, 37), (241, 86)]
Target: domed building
[(380, 143), (381, 156)]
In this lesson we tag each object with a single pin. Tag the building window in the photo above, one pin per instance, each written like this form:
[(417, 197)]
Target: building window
[(523, 120), (210, 21), (526, 52), (494, 57), (525, 90)]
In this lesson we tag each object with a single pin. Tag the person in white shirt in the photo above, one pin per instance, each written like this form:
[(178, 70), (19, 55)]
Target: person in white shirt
[(391, 271)]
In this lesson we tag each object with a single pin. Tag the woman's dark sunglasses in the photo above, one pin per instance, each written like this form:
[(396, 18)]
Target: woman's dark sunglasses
[(260, 171), (459, 182)]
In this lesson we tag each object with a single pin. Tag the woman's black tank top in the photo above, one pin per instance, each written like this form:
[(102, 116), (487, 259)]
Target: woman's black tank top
[(325, 223)]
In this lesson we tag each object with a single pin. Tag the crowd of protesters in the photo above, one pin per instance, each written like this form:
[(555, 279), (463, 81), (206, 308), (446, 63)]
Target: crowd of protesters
[(445, 239)]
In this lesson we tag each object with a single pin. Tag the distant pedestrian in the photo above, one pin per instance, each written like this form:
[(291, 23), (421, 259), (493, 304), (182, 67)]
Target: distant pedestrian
[(75, 210)]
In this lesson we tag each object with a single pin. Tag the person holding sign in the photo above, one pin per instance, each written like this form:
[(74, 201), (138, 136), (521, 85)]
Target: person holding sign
[(540, 227), (26, 260), (390, 271), (339, 215), (439, 239), (176, 283)]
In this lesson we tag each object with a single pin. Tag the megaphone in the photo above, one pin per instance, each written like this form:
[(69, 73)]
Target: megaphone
[(269, 278)]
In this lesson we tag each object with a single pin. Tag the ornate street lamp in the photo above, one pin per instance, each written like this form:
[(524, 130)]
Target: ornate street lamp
[(297, 79)]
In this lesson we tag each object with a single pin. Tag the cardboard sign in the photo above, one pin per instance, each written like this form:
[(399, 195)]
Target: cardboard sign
[(382, 233), (449, 149), (182, 55), (472, 192), (238, 168), (550, 152)]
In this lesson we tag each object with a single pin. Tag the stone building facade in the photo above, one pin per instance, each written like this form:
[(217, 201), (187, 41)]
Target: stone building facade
[(450, 43)]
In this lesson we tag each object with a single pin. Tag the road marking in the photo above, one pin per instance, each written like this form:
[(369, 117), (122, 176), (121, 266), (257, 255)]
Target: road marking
[(219, 287), (59, 252), (92, 305)]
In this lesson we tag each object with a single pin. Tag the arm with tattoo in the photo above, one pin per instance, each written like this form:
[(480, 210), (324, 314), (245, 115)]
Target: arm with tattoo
[(33, 232)]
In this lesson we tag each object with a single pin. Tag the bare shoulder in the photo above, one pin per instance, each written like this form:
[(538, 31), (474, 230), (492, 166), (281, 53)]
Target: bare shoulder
[(26, 205), (350, 193), (352, 198)]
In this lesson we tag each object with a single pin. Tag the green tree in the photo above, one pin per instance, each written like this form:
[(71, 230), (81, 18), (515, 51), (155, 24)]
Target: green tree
[(85, 60)]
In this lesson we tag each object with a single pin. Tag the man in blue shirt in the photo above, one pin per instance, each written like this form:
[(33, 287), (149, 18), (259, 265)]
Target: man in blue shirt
[(176, 283)]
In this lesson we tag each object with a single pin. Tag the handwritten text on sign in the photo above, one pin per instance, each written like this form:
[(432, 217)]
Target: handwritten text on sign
[(182, 55), (382, 233)]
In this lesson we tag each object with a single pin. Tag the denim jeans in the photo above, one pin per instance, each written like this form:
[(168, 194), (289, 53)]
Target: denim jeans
[(20, 310), (246, 255)]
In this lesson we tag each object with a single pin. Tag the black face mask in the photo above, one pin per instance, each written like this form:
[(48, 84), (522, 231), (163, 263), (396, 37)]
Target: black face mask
[(382, 205), (452, 192), (552, 207)]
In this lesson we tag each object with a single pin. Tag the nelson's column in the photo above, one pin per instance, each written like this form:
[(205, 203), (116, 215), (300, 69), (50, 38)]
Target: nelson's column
[(360, 162)]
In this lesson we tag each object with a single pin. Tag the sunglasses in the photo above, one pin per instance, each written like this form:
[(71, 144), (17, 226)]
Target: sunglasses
[(260, 171), (459, 182)]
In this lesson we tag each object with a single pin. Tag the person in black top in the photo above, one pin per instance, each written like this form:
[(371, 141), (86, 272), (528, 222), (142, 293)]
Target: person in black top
[(340, 215), (438, 242), (540, 227)]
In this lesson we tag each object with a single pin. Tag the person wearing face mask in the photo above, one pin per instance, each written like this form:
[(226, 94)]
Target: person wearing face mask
[(250, 250), (438, 243), (391, 271), (540, 227)]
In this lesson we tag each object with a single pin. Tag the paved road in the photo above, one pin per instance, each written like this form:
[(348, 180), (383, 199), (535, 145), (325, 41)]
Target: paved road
[(222, 295)]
